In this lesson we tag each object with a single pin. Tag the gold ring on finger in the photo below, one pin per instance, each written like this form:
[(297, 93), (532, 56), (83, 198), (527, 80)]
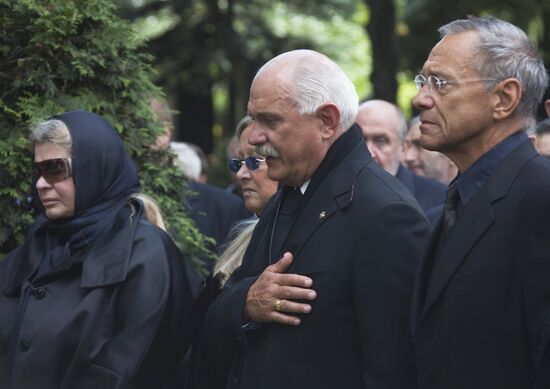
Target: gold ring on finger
[(278, 305)]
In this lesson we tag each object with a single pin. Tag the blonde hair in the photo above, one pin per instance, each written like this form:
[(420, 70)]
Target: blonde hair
[(233, 251), (51, 131), (151, 209)]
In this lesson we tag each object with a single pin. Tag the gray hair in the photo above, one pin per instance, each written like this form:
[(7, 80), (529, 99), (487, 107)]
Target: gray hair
[(505, 51), (243, 124), (187, 160), (51, 131), (318, 80)]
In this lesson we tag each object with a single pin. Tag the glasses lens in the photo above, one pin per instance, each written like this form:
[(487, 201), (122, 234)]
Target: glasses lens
[(419, 81), (252, 163), (234, 164), (53, 170)]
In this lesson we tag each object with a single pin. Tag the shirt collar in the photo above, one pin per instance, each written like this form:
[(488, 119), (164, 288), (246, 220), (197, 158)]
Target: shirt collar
[(478, 174)]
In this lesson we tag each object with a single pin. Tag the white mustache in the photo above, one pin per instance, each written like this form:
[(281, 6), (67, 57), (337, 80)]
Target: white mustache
[(267, 150)]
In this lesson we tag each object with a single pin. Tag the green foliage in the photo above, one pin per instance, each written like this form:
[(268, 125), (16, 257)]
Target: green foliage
[(60, 55)]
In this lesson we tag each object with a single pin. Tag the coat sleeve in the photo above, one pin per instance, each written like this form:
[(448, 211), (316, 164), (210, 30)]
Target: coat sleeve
[(536, 281), (394, 242), (224, 319), (150, 336)]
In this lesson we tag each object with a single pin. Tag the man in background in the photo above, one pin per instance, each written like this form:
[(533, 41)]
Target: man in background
[(427, 163), (384, 129)]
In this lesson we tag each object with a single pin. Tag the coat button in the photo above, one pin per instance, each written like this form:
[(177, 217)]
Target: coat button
[(39, 293), (24, 345)]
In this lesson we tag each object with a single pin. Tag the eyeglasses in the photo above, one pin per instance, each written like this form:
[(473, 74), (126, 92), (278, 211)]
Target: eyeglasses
[(252, 163), (435, 83), (53, 170)]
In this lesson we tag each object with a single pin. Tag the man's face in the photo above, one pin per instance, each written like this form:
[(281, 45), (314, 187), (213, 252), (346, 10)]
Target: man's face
[(292, 143), (379, 122), (454, 118), (421, 161)]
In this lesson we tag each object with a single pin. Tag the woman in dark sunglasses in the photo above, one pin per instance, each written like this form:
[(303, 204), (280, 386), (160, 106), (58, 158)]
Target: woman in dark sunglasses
[(95, 297), (208, 370)]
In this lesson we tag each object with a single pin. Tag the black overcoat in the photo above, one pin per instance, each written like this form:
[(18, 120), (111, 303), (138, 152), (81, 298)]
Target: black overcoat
[(359, 236), (109, 317)]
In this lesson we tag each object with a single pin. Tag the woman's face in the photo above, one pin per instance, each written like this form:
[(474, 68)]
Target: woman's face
[(58, 194), (257, 187)]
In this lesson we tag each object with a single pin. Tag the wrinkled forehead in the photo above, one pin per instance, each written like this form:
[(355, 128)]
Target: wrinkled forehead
[(453, 55)]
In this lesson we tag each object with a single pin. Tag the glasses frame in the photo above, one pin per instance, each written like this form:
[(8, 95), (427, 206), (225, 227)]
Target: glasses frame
[(39, 169), (435, 83), (252, 163)]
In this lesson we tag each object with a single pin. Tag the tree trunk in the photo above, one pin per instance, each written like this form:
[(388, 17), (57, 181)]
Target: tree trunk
[(196, 118), (381, 30)]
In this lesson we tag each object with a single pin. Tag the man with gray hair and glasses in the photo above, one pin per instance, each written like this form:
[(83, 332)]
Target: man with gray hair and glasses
[(481, 304), (322, 299)]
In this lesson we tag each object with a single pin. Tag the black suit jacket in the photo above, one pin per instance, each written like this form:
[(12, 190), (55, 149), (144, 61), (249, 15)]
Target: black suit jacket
[(481, 308), (215, 211), (429, 193), (359, 236)]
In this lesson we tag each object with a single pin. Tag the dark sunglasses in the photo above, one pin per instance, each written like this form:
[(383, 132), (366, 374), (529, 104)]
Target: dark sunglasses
[(53, 170), (252, 163)]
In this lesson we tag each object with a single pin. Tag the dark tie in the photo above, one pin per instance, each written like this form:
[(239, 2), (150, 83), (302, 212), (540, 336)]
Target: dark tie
[(449, 211), (285, 219)]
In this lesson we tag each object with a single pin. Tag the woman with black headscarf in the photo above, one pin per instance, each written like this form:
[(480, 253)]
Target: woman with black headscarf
[(95, 297)]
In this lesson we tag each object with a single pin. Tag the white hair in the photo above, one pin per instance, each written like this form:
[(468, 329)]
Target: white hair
[(187, 160), (234, 249), (505, 51), (318, 80)]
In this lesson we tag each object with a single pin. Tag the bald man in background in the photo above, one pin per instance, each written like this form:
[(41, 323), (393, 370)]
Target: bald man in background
[(384, 129)]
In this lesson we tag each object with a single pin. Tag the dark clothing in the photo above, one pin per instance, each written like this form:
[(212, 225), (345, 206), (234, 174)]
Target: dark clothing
[(215, 211), (207, 370), (481, 304), (109, 317), (429, 193), (478, 174), (95, 299), (359, 235)]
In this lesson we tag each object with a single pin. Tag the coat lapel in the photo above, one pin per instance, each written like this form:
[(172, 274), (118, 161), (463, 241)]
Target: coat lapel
[(334, 193), (475, 220)]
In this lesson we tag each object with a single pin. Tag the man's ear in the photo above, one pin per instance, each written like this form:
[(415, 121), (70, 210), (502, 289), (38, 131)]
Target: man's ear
[(506, 96), (330, 117), (547, 107)]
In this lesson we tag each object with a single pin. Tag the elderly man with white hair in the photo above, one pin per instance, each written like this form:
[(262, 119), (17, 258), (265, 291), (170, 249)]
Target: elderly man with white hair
[(322, 299)]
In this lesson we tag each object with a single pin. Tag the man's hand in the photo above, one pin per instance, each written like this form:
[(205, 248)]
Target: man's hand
[(270, 298)]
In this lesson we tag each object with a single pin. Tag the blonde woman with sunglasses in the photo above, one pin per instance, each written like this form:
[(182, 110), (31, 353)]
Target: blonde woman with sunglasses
[(95, 297)]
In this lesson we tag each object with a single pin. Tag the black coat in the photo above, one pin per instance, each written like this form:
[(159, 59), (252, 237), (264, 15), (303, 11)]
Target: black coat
[(359, 236), (110, 317), (481, 316), (429, 193), (215, 211)]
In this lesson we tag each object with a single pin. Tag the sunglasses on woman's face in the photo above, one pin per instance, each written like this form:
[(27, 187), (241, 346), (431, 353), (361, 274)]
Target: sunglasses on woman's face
[(252, 163), (53, 170)]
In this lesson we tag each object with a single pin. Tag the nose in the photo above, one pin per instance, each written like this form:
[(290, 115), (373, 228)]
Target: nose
[(372, 149), (424, 99), (42, 184), (410, 153), (257, 134), (243, 173)]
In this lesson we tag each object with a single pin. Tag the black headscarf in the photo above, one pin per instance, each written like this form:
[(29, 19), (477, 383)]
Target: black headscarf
[(104, 177)]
